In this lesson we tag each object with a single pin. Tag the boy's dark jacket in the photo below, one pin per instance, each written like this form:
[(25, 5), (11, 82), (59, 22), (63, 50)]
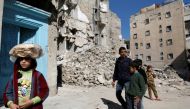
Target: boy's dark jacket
[(39, 88), (122, 70)]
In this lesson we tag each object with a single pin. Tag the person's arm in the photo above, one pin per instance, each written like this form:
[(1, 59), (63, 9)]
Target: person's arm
[(42, 88), (8, 93), (115, 75)]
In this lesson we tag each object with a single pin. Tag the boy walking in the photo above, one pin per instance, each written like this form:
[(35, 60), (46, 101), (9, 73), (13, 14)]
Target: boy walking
[(122, 75), (136, 88), (143, 73)]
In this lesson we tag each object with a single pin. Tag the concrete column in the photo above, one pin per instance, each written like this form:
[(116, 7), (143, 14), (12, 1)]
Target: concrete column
[(52, 61), (1, 19)]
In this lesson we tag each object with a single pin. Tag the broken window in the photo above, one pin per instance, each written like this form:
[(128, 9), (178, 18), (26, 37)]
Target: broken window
[(160, 40), (147, 33), (147, 21), (160, 29), (134, 25), (169, 42), (161, 44), (135, 36), (161, 53), (168, 14), (170, 56), (128, 46), (136, 56), (141, 56), (136, 45), (148, 58), (168, 28), (148, 46), (188, 35), (159, 18)]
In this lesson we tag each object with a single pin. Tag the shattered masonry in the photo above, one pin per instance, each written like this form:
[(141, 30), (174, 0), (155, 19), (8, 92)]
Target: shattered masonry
[(88, 41)]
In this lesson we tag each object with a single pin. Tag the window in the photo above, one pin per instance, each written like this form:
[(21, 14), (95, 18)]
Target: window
[(135, 36), (188, 35), (159, 18), (134, 25), (148, 58), (141, 44), (141, 56), (160, 40), (161, 44), (161, 58), (169, 42), (168, 14), (147, 33), (160, 27), (170, 56), (161, 53), (136, 45), (147, 21), (136, 56), (148, 46), (160, 31), (168, 28)]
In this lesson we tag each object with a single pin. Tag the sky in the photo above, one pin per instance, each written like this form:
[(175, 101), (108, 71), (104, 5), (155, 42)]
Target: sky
[(125, 8)]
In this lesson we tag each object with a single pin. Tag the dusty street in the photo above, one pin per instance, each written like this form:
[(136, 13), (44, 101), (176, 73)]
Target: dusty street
[(70, 97)]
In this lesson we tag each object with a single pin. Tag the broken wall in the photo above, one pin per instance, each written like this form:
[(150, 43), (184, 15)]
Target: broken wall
[(87, 31)]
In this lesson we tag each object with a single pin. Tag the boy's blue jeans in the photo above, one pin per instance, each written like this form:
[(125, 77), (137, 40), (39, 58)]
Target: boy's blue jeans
[(132, 104), (119, 89)]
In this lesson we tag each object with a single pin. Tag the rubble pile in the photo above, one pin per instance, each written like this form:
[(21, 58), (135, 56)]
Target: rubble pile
[(90, 68), (169, 77), (166, 73)]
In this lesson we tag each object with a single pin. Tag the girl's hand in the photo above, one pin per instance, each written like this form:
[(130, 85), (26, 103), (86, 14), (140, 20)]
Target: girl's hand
[(28, 104), (14, 106)]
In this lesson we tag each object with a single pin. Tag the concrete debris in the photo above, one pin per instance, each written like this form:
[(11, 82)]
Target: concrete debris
[(90, 68), (169, 77)]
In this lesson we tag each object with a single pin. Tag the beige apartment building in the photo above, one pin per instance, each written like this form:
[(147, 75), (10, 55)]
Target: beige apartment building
[(157, 35), (187, 25)]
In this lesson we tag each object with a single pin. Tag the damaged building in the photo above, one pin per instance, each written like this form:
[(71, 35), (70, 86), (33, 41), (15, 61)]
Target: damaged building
[(157, 35), (187, 29), (85, 24), (86, 32), (76, 35)]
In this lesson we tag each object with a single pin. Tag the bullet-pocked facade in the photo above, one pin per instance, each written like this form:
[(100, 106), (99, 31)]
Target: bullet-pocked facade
[(157, 35)]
